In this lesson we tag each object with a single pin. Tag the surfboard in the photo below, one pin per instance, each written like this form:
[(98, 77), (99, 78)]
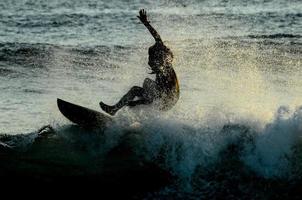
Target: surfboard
[(83, 116)]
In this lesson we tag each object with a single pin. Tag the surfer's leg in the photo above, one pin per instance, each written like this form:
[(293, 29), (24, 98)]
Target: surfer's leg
[(148, 95), (125, 100), (138, 102)]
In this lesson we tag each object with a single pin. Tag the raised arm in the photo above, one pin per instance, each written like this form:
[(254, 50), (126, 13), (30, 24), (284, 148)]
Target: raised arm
[(143, 18)]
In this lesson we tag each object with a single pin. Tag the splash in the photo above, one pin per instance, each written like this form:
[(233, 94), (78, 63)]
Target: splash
[(273, 153)]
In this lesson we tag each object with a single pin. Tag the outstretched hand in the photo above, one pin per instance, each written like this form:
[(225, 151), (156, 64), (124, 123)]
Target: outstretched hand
[(143, 16), (144, 19)]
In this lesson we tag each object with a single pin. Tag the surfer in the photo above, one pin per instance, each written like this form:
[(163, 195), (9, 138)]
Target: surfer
[(164, 90)]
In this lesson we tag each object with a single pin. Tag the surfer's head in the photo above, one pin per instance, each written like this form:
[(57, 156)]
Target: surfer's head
[(159, 56)]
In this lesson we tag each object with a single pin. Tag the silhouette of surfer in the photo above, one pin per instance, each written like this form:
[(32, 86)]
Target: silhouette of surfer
[(164, 90)]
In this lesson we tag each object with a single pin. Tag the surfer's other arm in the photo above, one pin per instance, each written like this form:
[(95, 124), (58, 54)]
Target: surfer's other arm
[(143, 18)]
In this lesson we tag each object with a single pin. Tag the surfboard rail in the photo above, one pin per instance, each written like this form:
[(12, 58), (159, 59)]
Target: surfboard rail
[(83, 116)]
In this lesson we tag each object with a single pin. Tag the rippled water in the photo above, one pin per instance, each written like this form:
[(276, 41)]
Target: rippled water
[(238, 62)]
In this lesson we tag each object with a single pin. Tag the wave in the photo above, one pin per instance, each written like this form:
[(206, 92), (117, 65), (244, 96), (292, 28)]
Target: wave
[(35, 49), (224, 160), (5, 72), (24, 53), (64, 20), (45, 56), (275, 36)]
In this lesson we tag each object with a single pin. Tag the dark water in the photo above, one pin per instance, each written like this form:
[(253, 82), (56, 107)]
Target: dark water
[(235, 132)]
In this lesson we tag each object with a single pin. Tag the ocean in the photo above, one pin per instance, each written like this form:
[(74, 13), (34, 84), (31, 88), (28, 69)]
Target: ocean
[(235, 131)]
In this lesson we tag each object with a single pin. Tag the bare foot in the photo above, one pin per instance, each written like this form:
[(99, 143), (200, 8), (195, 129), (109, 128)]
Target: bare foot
[(111, 110)]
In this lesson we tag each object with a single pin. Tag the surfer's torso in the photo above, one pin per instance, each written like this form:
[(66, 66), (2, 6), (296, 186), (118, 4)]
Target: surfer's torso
[(160, 61)]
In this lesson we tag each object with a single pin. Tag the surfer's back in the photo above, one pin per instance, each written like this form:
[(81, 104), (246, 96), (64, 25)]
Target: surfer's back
[(169, 88)]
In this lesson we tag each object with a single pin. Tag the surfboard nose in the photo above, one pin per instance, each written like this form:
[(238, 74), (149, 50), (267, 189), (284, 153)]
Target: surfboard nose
[(83, 116)]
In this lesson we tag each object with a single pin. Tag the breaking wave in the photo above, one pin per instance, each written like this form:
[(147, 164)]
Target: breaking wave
[(198, 156)]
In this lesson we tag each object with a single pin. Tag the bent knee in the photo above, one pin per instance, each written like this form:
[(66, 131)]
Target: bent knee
[(138, 91), (136, 88), (149, 83), (148, 80)]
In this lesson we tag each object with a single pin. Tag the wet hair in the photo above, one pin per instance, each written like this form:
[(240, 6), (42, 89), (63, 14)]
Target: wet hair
[(159, 56), (160, 51)]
